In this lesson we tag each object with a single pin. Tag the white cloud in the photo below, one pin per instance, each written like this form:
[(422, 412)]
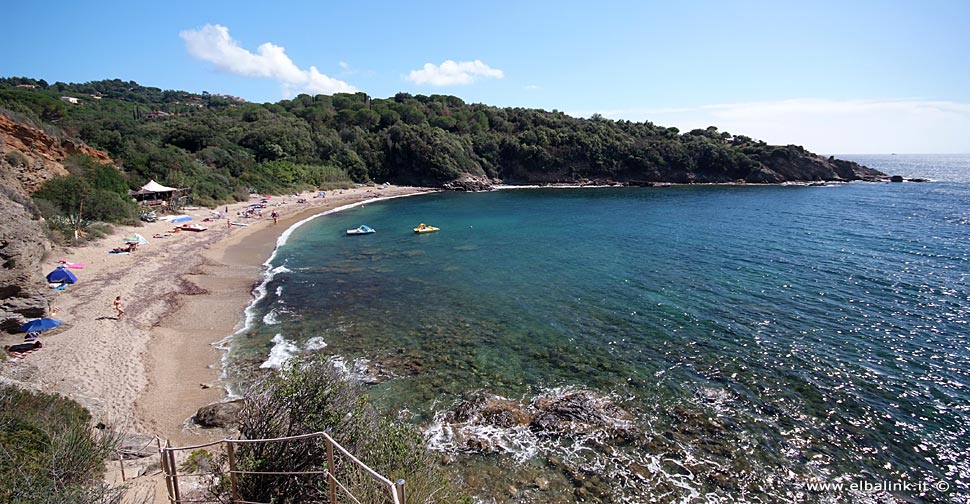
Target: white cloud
[(212, 43), (450, 73), (344, 65), (829, 126), (531, 87)]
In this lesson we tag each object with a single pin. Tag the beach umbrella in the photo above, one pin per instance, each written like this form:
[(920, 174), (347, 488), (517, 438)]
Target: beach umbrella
[(137, 238), (41, 324), (61, 274)]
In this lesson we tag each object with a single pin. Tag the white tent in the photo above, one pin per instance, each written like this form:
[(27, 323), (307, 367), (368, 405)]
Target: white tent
[(153, 186), (154, 193)]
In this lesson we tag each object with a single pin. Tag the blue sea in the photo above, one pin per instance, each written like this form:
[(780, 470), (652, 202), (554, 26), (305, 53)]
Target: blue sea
[(749, 342)]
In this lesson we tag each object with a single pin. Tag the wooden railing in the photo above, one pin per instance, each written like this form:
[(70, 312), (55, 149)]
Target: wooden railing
[(395, 490)]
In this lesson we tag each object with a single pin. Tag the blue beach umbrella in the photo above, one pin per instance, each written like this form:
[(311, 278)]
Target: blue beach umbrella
[(41, 324)]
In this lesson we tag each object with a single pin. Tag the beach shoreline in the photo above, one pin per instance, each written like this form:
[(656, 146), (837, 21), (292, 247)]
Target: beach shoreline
[(183, 293)]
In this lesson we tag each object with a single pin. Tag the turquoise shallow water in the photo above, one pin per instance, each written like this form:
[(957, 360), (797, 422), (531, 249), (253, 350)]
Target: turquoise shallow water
[(760, 336)]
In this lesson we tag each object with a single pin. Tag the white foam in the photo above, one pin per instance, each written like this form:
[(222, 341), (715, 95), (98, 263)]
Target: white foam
[(518, 441), (357, 371), (280, 269), (282, 351), (271, 318), (315, 343)]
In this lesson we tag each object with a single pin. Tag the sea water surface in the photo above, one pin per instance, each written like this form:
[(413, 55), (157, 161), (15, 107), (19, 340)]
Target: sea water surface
[(758, 340)]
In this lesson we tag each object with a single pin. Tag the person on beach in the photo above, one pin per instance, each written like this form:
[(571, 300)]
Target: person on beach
[(276, 217), (229, 224), (119, 307)]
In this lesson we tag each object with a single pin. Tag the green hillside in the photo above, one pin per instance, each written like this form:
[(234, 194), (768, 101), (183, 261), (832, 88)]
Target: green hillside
[(223, 147)]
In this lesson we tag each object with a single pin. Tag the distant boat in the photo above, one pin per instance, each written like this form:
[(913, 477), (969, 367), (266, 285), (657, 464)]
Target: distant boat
[(362, 230), (424, 228)]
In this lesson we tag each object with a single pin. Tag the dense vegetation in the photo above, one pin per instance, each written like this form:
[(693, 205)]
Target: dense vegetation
[(222, 146), (310, 395), (48, 452), (90, 191)]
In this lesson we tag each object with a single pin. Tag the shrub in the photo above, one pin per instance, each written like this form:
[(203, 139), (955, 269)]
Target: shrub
[(108, 206), (104, 190), (49, 452), (310, 395)]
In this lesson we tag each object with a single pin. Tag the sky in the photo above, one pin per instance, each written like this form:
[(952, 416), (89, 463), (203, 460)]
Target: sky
[(849, 77)]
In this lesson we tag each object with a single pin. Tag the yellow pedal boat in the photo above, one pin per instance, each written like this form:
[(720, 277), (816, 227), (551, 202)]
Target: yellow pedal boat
[(424, 228)]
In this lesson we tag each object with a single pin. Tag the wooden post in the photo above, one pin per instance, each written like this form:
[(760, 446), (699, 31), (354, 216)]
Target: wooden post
[(175, 475), (121, 461), (168, 476), (400, 490), (77, 225), (330, 477), (234, 496)]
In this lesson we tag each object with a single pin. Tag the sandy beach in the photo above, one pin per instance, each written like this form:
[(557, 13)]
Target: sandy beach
[(150, 371)]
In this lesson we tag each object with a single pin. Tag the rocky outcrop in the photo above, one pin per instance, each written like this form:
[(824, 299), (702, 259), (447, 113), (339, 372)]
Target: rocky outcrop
[(795, 164), (487, 424), (23, 244), (224, 414), (469, 183), (35, 156)]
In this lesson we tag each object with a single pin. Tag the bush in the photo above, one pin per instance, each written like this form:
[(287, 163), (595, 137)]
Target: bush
[(108, 206), (104, 190), (49, 452), (310, 395)]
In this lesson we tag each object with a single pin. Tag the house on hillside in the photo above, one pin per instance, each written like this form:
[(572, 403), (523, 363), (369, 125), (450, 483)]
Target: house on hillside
[(156, 114), (27, 86), (70, 99)]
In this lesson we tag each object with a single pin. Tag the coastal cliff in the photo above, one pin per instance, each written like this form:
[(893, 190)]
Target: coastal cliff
[(34, 156), (28, 157), (23, 244)]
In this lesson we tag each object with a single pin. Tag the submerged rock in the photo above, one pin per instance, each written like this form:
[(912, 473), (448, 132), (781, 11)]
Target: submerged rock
[(575, 412), (582, 411)]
